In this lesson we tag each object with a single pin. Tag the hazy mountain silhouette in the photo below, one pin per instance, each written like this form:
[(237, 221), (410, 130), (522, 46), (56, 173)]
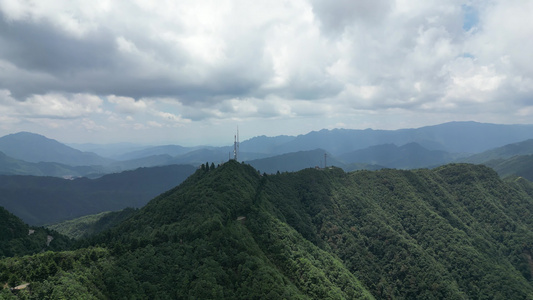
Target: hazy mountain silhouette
[(519, 165), (36, 148), (507, 151), (295, 161), (42, 200), (453, 137), (12, 166), (408, 156)]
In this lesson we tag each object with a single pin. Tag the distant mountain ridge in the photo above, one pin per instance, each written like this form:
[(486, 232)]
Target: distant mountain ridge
[(41, 200), (12, 166), (507, 151), (408, 156), (171, 150), (36, 148), (514, 159), (455, 138), (518, 166), (295, 161)]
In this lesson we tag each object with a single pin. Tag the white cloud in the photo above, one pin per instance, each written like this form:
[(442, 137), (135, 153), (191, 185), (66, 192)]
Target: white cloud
[(146, 65), (91, 125), (60, 106), (52, 106), (155, 124), (127, 105), (170, 118)]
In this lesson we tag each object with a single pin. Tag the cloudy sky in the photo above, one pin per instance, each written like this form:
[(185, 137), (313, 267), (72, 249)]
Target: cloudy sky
[(190, 72)]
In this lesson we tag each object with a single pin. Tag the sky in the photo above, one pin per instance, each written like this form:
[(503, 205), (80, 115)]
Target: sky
[(191, 72)]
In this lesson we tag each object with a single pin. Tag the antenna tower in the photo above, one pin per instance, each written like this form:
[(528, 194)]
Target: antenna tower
[(236, 146), (325, 160)]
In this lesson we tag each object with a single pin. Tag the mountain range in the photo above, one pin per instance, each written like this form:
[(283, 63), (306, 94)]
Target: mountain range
[(69, 199), (454, 137), (504, 152), (36, 148), (454, 232), (32, 154), (40, 200), (408, 156)]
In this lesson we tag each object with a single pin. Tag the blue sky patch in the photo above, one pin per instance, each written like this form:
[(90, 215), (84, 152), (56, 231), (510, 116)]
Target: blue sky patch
[(470, 17)]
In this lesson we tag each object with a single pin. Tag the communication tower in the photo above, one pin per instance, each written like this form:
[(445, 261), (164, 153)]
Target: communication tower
[(236, 146)]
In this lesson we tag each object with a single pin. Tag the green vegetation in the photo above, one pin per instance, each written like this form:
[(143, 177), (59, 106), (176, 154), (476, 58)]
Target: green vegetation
[(521, 165), (509, 161), (91, 224), (504, 152), (56, 275), (17, 238), (455, 232)]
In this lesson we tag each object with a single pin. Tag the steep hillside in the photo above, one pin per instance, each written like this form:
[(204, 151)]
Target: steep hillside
[(212, 233), (36, 148), (91, 224), (17, 238), (46, 200), (455, 232), (521, 165), (504, 152)]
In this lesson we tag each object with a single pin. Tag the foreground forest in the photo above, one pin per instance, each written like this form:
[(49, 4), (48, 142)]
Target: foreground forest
[(454, 232)]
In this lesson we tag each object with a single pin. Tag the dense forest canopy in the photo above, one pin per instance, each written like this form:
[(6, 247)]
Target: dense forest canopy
[(228, 232)]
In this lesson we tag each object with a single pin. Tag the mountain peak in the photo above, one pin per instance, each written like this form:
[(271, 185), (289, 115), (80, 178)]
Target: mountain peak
[(32, 147), (26, 136)]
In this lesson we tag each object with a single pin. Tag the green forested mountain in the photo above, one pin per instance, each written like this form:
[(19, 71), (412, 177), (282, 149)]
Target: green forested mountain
[(504, 152), (520, 165), (91, 224), (455, 232), (509, 160), (45, 200), (17, 238)]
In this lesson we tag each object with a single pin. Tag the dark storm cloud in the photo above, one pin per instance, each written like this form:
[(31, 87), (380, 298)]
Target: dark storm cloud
[(42, 48), (93, 63)]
